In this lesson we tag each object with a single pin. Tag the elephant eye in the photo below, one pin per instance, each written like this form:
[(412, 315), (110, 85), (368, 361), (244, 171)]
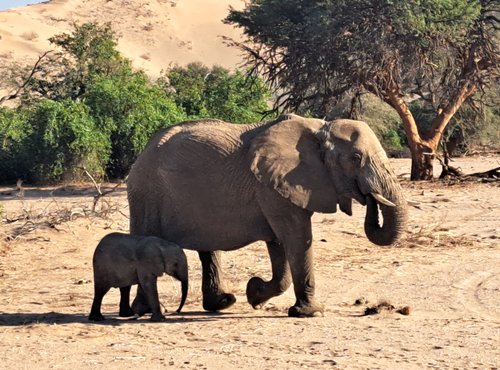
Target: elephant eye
[(356, 157)]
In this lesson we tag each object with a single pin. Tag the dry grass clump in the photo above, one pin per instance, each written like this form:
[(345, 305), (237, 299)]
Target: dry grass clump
[(382, 307), (30, 36), (433, 235)]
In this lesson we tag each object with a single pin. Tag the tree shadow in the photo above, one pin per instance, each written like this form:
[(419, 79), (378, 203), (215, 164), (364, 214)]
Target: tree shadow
[(30, 318)]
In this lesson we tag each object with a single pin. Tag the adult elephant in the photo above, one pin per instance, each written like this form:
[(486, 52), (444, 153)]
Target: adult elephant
[(209, 186)]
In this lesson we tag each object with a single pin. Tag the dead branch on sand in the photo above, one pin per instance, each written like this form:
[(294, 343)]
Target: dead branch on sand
[(30, 220), (101, 194), (450, 172)]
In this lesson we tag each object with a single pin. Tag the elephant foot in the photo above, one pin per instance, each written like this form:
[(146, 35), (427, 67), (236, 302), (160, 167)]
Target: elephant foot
[(256, 292), (306, 310), (218, 302), (126, 312), (157, 317), (96, 317), (140, 308)]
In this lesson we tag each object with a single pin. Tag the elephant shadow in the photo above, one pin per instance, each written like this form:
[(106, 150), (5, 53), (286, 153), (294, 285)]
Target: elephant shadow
[(30, 318)]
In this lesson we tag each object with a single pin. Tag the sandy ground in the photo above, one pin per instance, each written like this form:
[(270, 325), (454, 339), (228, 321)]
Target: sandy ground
[(446, 270), (153, 34)]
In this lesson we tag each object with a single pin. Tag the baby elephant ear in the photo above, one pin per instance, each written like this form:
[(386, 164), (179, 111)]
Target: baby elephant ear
[(287, 158)]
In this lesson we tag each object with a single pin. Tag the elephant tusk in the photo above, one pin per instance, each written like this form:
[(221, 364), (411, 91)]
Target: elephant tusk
[(382, 200)]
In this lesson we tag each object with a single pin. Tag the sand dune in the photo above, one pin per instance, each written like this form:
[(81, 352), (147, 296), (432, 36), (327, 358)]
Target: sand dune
[(153, 34)]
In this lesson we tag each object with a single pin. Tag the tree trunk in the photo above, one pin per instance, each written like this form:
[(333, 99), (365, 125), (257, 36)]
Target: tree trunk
[(424, 147), (422, 161), (423, 151)]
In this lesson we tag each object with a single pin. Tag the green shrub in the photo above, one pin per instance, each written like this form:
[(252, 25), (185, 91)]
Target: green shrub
[(63, 137), (87, 107), (14, 162), (216, 93), (393, 140), (129, 111)]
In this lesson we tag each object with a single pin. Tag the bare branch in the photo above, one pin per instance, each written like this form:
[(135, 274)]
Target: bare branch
[(100, 193), (15, 94)]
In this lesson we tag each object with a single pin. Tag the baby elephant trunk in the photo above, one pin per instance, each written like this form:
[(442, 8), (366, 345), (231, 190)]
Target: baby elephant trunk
[(184, 289)]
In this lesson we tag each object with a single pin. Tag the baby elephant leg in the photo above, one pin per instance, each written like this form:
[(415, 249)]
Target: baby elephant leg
[(148, 283), (125, 310), (99, 292), (140, 305)]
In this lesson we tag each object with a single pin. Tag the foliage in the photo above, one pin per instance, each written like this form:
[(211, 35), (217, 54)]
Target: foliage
[(129, 110), (216, 93), (385, 122), (62, 137), (85, 106), (13, 133), (85, 54), (315, 52)]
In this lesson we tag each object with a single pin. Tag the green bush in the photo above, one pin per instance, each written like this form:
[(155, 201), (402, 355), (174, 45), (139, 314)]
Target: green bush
[(87, 107), (392, 140), (13, 133), (129, 111), (216, 93), (62, 138)]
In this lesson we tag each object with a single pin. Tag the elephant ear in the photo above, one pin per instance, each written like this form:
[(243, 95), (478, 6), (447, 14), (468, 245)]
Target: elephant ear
[(287, 158)]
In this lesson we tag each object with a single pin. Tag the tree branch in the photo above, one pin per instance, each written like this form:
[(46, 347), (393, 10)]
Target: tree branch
[(27, 80), (100, 193)]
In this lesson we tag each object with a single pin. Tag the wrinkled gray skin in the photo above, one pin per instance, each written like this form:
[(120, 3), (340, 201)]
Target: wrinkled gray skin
[(122, 260), (209, 186)]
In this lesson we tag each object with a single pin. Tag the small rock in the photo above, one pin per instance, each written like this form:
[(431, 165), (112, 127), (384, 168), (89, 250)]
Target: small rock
[(406, 310), (360, 301), (371, 311)]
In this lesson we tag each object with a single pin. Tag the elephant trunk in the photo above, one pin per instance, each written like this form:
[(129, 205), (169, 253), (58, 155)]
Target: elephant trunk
[(184, 289), (394, 214)]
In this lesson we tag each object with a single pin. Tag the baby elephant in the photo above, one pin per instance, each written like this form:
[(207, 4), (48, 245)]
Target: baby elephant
[(121, 260)]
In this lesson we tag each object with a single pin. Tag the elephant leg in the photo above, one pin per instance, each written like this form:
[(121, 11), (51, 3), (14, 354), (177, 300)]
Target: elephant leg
[(214, 297), (148, 283), (125, 309), (258, 290), (95, 311), (140, 305), (300, 258), (292, 227)]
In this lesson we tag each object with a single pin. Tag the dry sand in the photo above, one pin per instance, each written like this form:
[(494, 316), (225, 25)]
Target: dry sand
[(153, 34), (446, 269)]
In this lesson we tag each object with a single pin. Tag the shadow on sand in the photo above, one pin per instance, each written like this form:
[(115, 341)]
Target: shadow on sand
[(21, 318)]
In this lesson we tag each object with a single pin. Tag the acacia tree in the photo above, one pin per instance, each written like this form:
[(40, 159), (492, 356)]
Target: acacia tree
[(315, 51), (87, 53)]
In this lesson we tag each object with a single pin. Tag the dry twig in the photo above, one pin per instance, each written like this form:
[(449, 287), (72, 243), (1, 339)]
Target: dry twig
[(100, 193)]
